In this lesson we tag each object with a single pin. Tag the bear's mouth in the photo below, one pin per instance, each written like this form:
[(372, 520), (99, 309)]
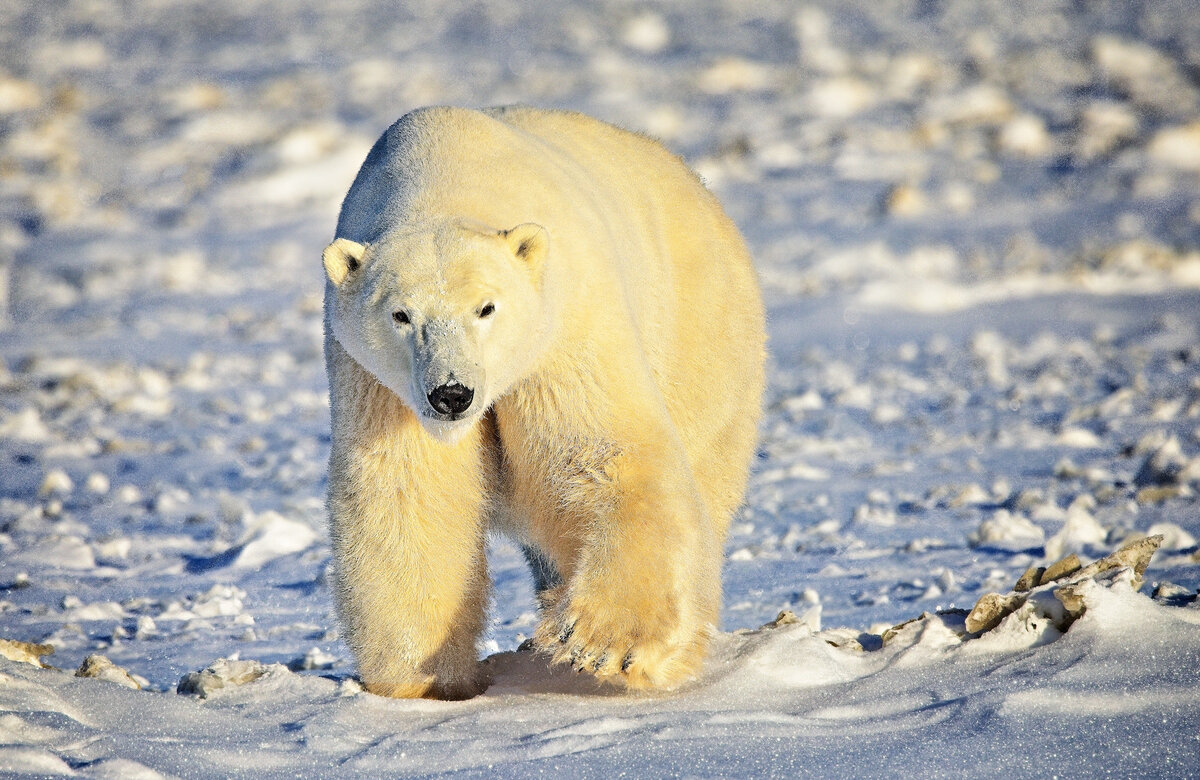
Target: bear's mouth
[(440, 417), (446, 428)]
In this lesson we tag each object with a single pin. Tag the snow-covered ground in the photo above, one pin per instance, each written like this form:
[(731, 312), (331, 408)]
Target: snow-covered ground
[(977, 225)]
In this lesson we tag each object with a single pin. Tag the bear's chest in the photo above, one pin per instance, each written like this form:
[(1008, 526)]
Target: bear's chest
[(547, 480)]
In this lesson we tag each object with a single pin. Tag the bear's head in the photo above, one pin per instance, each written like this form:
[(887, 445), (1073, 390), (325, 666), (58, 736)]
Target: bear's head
[(446, 316)]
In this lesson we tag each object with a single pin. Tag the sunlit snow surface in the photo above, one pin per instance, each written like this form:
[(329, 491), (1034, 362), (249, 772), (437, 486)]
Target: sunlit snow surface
[(977, 225)]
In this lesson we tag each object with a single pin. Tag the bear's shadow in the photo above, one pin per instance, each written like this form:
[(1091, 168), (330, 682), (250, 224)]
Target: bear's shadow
[(524, 671)]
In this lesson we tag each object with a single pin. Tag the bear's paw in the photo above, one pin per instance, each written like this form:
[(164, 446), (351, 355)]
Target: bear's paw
[(639, 643)]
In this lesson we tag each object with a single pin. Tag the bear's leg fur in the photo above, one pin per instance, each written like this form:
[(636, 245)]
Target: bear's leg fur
[(410, 572), (641, 599), (545, 576)]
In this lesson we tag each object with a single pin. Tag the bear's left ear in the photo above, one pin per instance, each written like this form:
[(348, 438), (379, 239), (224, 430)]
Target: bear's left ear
[(341, 259), (529, 242)]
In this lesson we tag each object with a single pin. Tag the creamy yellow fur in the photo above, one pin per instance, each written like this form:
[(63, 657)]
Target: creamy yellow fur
[(617, 383)]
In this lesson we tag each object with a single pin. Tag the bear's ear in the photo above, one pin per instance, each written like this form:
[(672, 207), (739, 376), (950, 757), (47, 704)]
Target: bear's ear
[(529, 242), (342, 258)]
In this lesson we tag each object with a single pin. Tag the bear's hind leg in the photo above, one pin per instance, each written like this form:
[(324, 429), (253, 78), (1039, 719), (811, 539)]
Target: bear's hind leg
[(546, 578)]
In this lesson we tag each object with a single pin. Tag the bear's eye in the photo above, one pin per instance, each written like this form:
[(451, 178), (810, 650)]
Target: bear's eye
[(401, 317), (487, 310)]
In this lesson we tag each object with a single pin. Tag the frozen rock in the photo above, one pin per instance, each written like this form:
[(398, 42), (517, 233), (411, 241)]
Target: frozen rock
[(56, 483), (734, 74), (939, 630), (1103, 128), (1156, 494), (1080, 531), (1174, 537), (1025, 135), (773, 155), (145, 627), (990, 610), (77, 611), (114, 549), (909, 72), (1167, 465), (1061, 568), (844, 638), (905, 200), (1040, 575), (97, 483), (982, 104), (969, 495), (647, 32), (223, 673), (1135, 555), (1047, 511), (886, 413), (195, 97), (1164, 466), (62, 551), (841, 97), (101, 668), (25, 652), (25, 425), (129, 494), (1175, 595), (1080, 438), (1030, 579), (1058, 592), (218, 601), (991, 350), (316, 658), (1066, 468), (808, 401), (273, 536), (874, 515), (1146, 74), (813, 30), (811, 618), (308, 142), (18, 95), (1007, 528)]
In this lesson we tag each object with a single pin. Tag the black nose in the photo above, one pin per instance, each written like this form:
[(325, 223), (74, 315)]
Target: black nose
[(451, 398)]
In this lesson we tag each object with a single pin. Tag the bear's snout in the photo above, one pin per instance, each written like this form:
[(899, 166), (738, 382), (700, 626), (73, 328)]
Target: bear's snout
[(451, 398)]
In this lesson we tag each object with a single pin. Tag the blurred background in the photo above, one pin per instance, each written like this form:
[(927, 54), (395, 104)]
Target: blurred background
[(990, 138)]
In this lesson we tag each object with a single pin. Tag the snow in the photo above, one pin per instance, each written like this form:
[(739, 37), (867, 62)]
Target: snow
[(977, 225)]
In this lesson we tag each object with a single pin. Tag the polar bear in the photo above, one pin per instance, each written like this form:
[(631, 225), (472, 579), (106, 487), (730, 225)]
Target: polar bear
[(539, 324)]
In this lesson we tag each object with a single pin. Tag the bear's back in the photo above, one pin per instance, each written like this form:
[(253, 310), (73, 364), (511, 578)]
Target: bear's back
[(500, 153), (589, 137)]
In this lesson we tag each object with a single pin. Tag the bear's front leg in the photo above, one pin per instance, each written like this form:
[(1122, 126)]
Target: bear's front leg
[(410, 579), (642, 599)]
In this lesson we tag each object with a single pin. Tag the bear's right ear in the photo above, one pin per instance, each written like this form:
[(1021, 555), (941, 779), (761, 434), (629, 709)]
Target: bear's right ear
[(341, 259)]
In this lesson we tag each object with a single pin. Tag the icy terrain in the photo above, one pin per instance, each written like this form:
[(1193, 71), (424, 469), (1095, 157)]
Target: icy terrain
[(977, 225)]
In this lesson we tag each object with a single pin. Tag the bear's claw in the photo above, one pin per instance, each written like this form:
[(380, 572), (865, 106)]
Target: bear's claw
[(565, 633), (654, 665)]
